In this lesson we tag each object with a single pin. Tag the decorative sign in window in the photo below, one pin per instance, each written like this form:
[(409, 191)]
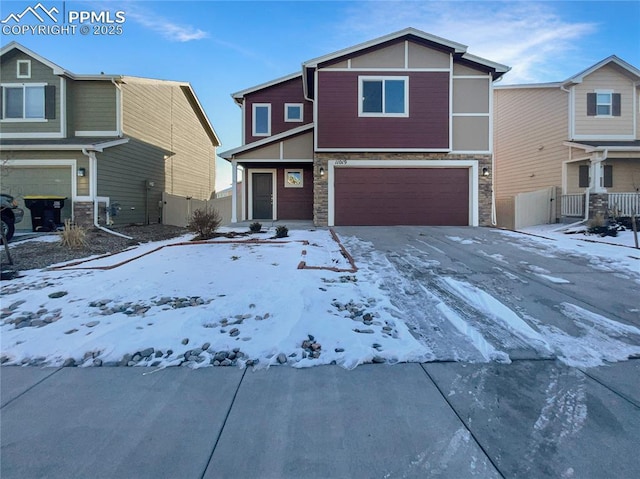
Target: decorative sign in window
[(293, 179)]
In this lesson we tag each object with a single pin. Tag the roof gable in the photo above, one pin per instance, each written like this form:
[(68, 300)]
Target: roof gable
[(627, 67), (57, 70)]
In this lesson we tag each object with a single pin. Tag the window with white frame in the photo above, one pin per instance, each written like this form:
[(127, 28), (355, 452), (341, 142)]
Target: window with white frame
[(293, 112), (23, 102), (603, 103), (23, 69), (261, 119), (383, 96)]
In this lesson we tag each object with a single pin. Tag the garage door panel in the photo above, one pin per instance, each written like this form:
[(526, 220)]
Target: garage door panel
[(401, 196), (21, 181)]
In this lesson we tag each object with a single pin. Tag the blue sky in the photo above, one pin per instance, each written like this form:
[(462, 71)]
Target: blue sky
[(221, 47)]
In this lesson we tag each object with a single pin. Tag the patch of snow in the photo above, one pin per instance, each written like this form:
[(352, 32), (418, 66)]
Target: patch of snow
[(460, 240), (553, 279), (494, 308), (246, 296)]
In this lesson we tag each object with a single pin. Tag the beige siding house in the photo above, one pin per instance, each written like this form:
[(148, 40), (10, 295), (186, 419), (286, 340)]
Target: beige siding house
[(578, 140), (111, 145)]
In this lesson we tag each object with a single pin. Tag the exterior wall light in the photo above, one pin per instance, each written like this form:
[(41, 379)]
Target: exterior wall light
[(321, 171), (82, 171), (485, 171)]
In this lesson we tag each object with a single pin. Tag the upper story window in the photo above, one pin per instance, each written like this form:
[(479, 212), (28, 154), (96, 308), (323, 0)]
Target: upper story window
[(23, 102), (293, 112), (603, 103), (261, 119), (23, 69), (383, 96)]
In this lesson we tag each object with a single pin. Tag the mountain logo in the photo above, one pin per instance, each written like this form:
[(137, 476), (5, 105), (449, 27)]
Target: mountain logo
[(39, 11)]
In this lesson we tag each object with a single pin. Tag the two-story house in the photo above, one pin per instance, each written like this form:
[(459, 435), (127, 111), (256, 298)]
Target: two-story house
[(394, 131), (579, 139), (110, 144)]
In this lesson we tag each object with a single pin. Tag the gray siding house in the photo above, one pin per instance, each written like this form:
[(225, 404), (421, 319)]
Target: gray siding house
[(110, 144)]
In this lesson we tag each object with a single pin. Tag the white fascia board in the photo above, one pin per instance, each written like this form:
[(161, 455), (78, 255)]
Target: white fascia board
[(63, 147), (530, 85), (456, 47), (265, 141), (240, 94), (57, 70), (499, 67), (578, 78)]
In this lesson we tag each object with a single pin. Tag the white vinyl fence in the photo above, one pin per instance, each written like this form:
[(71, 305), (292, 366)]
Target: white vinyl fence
[(177, 210), (535, 208)]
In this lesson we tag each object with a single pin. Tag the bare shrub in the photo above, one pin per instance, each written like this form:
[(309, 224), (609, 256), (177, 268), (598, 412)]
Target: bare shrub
[(73, 235), (204, 222)]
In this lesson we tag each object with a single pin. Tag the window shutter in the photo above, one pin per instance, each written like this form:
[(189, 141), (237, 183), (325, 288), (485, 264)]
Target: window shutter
[(50, 102), (608, 176), (591, 104), (615, 107), (583, 176)]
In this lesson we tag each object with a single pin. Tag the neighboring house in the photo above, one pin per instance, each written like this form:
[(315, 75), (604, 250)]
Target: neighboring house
[(397, 130), (579, 139), (111, 144)]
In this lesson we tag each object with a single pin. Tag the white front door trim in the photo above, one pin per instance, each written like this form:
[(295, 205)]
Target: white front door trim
[(274, 185)]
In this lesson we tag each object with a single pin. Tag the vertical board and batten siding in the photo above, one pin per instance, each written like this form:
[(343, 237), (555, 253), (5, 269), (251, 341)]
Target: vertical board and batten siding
[(471, 109), (40, 73), (530, 126), (277, 95), (426, 127), (606, 78), (93, 105)]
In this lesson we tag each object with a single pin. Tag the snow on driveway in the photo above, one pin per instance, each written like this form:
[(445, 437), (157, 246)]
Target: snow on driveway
[(202, 304), (248, 304)]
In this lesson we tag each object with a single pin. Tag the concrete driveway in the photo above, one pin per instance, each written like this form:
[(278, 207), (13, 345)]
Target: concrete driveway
[(479, 294)]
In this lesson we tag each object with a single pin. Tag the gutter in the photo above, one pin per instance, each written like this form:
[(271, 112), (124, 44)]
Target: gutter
[(93, 165)]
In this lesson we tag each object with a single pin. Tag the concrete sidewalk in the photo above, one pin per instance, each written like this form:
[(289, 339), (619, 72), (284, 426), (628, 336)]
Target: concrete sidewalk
[(532, 419)]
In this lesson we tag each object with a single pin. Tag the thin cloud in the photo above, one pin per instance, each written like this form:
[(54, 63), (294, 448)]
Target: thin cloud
[(168, 29), (532, 38)]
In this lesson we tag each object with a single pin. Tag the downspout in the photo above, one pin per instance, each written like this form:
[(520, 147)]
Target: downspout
[(119, 111), (93, 176)]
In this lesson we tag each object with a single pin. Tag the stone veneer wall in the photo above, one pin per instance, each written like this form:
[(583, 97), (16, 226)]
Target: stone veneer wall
[(599, 206), (321, 189), (83, 213)]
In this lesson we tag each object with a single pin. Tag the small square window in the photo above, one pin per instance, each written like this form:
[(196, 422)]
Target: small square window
[(293, 112), (24, 69), (293, 178)]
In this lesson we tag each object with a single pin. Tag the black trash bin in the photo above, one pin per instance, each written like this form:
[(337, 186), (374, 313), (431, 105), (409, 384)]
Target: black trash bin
[(45, 211)]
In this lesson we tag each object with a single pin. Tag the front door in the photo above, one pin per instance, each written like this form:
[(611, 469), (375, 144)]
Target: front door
[(262, 203)]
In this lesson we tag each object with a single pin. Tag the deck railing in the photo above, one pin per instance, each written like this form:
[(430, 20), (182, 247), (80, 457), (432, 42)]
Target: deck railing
[(624, 204), (572, 205)]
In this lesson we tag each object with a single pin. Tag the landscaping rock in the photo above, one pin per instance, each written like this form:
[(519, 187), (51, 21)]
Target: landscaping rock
[(282, 358), (58, 294)]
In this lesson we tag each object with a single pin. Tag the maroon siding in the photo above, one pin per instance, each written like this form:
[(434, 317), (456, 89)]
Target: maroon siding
[(340, 127), (295, 203), (277, 95), (402, 196)]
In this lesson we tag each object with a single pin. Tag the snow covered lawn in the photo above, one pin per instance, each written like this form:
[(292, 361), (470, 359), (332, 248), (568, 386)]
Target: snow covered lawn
[(230, 303)]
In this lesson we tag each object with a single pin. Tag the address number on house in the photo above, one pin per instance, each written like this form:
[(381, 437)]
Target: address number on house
[(341, 162)]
